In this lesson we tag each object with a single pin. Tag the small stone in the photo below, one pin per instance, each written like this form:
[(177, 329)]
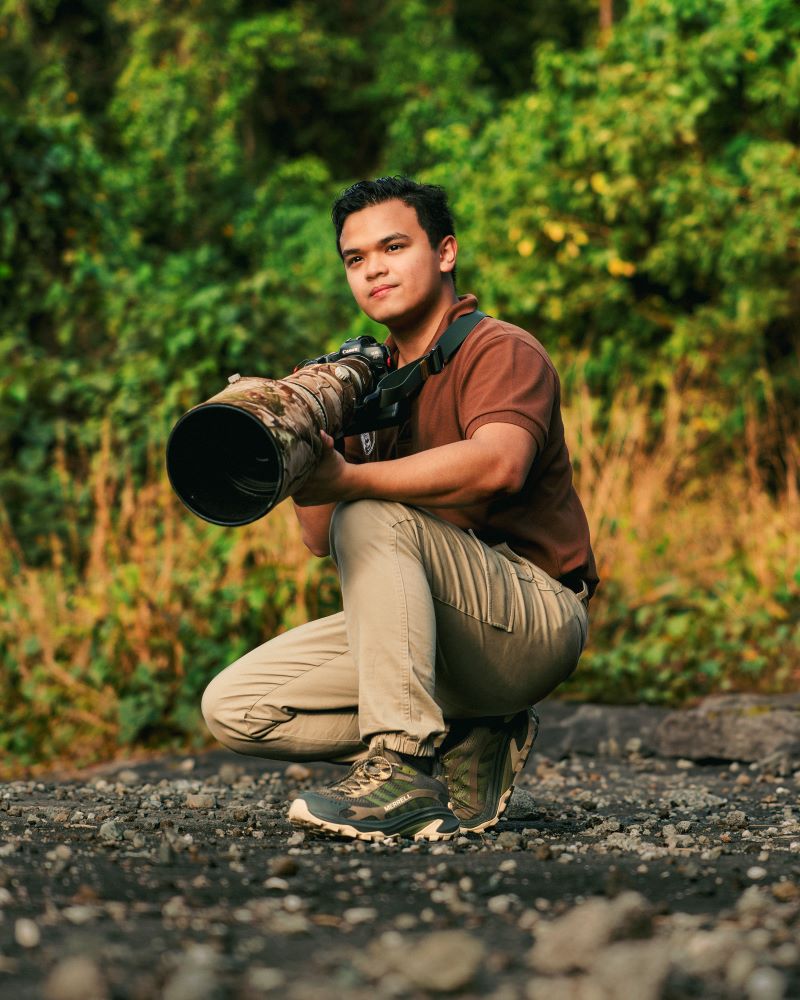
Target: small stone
[(785, 892), (297, 772), (229, 773), (622, 965), (740, 967), (27, 933), (572, 941), (111, 831), (284, 866), (736, 819), (359, 915), (187, 764), (443, 961), (264, 980), (756, 873), (766, 984), (128, 777), (76, 978), (276, 884), (80, 914), (200, 800), (166, 855), (521, 805), (509, 840)]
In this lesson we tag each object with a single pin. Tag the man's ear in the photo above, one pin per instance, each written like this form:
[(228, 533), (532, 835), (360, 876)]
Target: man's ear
[(448, 251)]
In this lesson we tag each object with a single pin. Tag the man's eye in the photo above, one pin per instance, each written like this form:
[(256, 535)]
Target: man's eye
[(351, 260), (395, 246)]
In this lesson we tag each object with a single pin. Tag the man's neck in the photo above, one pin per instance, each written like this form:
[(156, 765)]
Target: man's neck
[(412, 339)]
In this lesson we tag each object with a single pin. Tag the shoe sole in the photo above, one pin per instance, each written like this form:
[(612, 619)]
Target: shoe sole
[(518, 759), (300, 815)]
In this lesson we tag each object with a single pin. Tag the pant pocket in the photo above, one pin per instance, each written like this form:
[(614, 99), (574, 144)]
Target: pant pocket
[(500, 588)]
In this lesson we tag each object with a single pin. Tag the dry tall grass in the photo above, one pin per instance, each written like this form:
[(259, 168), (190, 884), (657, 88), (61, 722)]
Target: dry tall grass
[(121, 631), (660, 524)]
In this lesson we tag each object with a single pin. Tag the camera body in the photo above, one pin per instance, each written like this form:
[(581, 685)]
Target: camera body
[(373, 411), (376, 355)]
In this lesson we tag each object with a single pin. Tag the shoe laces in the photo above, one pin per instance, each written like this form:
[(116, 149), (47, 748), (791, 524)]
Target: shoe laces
[(362, 775)]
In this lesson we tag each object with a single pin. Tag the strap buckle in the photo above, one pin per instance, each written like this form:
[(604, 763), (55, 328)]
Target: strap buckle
[(432, 363)]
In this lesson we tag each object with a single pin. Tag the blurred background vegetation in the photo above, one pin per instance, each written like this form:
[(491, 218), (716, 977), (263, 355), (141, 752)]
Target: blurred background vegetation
[(630, 194)]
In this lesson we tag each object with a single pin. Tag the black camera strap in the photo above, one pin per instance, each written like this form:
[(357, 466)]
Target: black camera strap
[(387, 405), (404, 382)]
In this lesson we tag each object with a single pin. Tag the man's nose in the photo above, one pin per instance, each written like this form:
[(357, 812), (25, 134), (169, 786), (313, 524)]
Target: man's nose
[(376, 266)]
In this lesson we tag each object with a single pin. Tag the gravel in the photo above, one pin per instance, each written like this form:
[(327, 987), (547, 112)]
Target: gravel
[(180, 878)]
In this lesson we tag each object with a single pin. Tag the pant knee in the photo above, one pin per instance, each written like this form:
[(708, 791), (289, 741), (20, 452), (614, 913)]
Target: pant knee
[(212, 707), (353, 520), (238, 729)]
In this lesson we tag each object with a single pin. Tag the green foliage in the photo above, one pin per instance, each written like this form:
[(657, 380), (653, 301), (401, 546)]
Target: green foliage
[(679, 648)]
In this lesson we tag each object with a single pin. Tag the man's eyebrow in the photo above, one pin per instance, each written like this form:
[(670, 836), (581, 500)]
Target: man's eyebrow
[(381, 242)]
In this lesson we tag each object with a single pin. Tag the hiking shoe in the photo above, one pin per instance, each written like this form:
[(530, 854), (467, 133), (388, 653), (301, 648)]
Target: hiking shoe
[(381, 796), (480, 769)]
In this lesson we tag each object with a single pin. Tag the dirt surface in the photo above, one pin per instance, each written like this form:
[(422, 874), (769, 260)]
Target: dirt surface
[(181, 879)]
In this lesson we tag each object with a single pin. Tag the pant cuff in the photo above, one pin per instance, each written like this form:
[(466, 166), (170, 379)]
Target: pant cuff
[(400, 743)]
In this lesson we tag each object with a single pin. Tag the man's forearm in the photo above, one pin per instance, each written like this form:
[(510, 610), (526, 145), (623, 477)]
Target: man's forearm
[(494, 462), (315, 524), (453, 475)]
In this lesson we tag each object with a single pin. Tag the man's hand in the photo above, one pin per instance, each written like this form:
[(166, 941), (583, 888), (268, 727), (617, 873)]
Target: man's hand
[(330, 481)]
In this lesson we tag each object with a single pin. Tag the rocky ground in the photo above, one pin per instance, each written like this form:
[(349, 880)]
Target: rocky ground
[(614, 876)]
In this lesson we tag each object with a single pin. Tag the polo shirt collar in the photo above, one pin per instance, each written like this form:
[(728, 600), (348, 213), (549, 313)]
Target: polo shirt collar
[(465, 304)]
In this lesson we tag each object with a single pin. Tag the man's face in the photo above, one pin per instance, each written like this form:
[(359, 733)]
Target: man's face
[(393, 272)]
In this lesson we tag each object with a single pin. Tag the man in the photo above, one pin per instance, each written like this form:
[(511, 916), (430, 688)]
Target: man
[(463, 554)]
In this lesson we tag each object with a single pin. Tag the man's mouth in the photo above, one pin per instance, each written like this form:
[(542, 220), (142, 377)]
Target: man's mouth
[(380, 290)]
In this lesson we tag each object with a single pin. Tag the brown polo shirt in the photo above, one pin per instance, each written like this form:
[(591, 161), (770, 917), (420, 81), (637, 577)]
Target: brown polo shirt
[(500, 374)]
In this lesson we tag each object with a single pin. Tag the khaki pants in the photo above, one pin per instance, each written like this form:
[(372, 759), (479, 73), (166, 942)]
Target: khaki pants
[(436, 626)]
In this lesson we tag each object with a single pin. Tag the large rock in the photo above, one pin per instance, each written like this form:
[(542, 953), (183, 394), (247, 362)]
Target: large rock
[(733, 727), (596, 729)]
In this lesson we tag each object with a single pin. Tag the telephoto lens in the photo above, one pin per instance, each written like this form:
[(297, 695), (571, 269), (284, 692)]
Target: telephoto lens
[(234, 457)]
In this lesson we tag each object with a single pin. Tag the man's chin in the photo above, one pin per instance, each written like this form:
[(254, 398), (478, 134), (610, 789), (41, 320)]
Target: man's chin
[(386, 313)]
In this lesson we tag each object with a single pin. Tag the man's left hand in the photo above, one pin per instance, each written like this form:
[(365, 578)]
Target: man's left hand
[(330, 481)]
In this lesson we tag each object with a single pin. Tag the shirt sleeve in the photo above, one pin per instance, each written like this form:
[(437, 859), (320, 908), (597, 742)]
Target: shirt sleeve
[(508, 381)]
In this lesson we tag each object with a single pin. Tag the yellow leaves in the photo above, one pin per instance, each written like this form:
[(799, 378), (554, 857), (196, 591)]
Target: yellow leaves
[(555, 231), (621, 268), (750, 55), (599, 183), (571, 238), (554, 309), (72, 97), (228, 230)]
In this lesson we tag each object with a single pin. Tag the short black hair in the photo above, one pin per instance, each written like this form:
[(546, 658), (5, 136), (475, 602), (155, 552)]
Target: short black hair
[(429, 201)]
